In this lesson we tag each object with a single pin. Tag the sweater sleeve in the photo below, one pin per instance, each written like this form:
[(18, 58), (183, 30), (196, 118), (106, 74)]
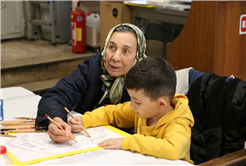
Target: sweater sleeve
[(120, 115), (173, 146)]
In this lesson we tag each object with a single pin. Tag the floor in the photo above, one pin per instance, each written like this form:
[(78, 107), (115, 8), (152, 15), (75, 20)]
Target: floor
[(16, 52), (36, 55)]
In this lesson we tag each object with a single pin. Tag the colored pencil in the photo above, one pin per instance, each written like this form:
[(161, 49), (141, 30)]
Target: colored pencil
[(75, 120), (16, 122), (59, 126), (24, 131), (27, 118), (6, 135), (32, 126)]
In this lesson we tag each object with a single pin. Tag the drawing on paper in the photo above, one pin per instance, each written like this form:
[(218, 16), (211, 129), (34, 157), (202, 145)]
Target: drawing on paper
[(40, 142)]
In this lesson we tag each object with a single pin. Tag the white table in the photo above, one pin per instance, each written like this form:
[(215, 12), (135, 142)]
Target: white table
[(19, 102)]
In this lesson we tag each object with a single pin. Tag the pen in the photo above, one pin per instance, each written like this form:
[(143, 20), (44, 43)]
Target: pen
[(59, 126), (75, 120)]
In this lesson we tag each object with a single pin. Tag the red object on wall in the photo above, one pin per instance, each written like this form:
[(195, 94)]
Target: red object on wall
[(78, 23)]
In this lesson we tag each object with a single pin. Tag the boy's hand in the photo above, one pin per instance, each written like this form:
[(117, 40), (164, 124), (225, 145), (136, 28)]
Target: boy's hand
[(76, 124), (113, 143)]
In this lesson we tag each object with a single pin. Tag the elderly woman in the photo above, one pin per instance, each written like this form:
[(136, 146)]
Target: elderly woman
[(96, 82)]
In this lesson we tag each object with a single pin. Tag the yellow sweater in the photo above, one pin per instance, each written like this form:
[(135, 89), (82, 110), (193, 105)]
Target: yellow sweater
[(170, 138)]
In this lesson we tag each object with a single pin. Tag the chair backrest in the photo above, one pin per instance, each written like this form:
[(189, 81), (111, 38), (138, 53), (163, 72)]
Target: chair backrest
[(159, 32)]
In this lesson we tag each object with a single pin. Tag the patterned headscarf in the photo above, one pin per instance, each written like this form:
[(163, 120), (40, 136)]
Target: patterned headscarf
[(115, 91)]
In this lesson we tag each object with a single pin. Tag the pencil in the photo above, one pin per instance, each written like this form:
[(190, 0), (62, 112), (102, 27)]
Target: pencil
[(24, 131), (16, 122), (6, 135), (27, 118), (59, 126), (32, 126), (75, 119)]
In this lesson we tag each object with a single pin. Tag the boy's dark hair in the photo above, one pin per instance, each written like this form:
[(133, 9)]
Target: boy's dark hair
[(154, 75)]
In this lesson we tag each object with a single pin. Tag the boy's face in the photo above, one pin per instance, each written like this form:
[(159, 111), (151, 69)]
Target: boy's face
[(143, 106)]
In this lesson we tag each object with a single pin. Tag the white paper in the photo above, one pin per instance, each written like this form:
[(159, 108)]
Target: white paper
[(30, 146)]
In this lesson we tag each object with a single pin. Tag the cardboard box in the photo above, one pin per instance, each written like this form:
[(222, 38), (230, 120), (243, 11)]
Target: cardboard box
[(111, 14)]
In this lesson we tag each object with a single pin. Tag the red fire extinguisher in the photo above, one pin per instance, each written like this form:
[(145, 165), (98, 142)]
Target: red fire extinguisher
[(78, 23)]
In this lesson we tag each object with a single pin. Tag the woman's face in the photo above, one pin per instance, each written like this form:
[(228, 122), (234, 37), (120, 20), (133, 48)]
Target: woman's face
[(120, 53)]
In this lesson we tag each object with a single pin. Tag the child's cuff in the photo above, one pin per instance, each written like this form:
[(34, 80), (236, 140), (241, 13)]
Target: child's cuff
[(126, 143), (87, 120)]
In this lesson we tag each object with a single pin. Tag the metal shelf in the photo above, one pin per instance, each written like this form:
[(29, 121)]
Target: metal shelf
[(34, 21)]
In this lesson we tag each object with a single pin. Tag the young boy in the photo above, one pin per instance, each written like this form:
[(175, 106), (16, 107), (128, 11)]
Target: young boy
[(162, 119)]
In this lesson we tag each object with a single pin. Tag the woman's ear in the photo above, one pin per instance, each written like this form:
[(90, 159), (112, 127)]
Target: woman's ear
[(163, 102)]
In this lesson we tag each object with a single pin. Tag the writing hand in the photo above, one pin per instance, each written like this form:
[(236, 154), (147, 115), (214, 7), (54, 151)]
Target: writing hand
[(113, 143), (58, 135), (77, 124)]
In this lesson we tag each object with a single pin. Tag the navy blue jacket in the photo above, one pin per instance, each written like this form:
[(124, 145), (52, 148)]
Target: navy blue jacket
[(75, 90)]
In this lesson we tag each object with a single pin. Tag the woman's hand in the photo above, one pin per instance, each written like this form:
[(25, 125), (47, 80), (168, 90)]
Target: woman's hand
[(58, 135), (113, 143), (77, 125)]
